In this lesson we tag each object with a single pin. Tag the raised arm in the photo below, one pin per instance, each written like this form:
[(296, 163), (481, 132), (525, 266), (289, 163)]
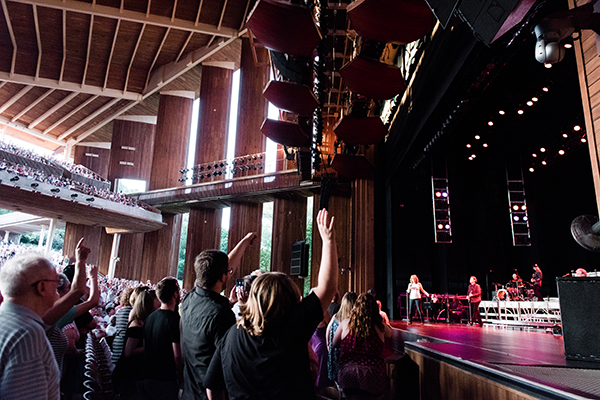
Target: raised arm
[(64, 304), (235, 255), (94, 297), (328, 277)]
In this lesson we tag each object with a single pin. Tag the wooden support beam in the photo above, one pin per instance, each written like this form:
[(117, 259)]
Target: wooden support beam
[(64, 40), (69, 115), (89, 46), (105, 121), (112, 50), (222, 15), (29, 107), (28, 131), (51, 111), (12, 36), (162, 43), (89, 118), (16, 97), (39, 41), (137, 45)]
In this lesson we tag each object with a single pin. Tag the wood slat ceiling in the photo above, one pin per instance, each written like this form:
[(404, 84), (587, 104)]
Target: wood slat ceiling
[(70, 67)]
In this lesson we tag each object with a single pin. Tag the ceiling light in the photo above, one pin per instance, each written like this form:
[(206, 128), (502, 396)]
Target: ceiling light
[(501, 112), (530, 103), (561, 152), (548, 65), (477, 137), (545, 89), (485, 145), (542, 149), (447, 227), (577, 128), (534, 99), (568, 45), (531, 169), (444, 194), (520, 112), (491, 123)]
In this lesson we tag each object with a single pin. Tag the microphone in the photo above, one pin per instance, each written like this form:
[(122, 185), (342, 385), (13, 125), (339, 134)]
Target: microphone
[(567, 274)]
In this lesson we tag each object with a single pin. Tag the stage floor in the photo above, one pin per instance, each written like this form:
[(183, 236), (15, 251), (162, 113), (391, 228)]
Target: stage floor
[(527, 356)]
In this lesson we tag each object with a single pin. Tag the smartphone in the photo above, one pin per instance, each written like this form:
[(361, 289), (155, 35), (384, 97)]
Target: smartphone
[(239, 282)]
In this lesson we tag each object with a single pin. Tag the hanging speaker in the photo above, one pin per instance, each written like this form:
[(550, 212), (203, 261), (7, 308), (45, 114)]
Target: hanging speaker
[(299, 259)]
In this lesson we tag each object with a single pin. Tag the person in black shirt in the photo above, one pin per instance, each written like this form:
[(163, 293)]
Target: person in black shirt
[(164, 364), (474, 297), (537, 282), (265, 356), (206, 315)]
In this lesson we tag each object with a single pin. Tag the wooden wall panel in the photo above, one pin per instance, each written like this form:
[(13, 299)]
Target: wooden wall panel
[(245, 217), (289, 226), (161, 250), (215, 99), (104, 252), (204, 233), (339, 207), (439, 380), (140, 137), (93, 158), (588, 66), (363, 238), (92, 235), (171, 141), (252, 105), (129, 265)]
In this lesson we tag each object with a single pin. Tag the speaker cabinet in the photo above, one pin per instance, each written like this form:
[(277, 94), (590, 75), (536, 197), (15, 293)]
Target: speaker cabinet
[(299, 259), (579, 298)]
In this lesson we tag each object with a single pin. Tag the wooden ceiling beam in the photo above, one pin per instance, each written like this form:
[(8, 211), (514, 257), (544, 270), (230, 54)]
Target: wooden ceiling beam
[(16, 97), (184, 46), (64, 40), (39, 41), (51, 111), (12, 36), (174, 10), (29, 107), (222, 15), (88, 118), (69, 115), (112, 51), (89, 46), (137, 45), (69, 86), (162, 43), (28, 131), (133, 16), (105, 121), (198, 13)]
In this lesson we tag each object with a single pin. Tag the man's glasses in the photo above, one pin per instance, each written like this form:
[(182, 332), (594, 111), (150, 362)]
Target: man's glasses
[(57, 281)]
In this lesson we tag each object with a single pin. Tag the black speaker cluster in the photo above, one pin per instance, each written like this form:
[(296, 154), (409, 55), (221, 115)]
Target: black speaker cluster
[(237, 166)]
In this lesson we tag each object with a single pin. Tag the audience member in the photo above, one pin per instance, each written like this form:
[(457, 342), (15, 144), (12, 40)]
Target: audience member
[(240, 293), (122, 319), (346, 306), (206, 315), (164, 365), (266, 355), (28, 367), (361, 338)]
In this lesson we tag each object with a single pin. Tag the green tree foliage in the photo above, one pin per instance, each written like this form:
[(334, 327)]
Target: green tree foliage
[(33, 238)]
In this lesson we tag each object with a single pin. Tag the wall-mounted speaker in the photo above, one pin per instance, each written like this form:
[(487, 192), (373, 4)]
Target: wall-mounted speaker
[(299, 259)]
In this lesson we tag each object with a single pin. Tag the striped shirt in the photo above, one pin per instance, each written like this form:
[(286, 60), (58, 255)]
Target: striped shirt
[(122, 317), (28, 369)]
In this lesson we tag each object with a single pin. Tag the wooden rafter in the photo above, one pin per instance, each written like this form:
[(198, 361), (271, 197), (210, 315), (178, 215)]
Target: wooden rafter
[(28, 131), (29, 107), (147, 8), (112, 50), (245, 15), (51, 111), (133, 56), (16, 97), (184, 46), (89, 46), (69, 115), (69, 86), (88, 118), (12, 36), (174, 10), (133, 16), (39, 41), (64, 37), (105, 121), (198, 13), (222, 15), (162, 43)]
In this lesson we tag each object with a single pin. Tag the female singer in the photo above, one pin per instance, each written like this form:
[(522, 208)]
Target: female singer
[(415, 289)]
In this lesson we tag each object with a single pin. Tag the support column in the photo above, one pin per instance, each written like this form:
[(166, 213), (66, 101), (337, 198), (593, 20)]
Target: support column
[(96, 159), (41, 241), (245, 217), (204, 225), (114, 255), (51, 230), (363, 237)]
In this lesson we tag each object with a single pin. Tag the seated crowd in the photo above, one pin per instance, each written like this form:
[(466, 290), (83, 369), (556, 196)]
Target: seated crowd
[(265, 341)]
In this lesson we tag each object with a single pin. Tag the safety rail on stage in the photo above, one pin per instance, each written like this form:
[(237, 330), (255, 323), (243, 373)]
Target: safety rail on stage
[(529, 313)]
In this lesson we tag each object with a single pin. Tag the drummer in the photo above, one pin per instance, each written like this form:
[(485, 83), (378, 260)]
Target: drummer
[(515, 282)]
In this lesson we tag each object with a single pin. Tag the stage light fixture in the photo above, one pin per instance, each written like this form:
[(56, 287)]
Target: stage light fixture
[(438, 194), (470, 158), (520, 112), (548, 65), (491, 123), (444, 194), (55, 190), (473, 155), (543, 149), (523, 207), (544, 162), (440, 226), (529, 103), (485, 145), (576, 128), (565, 135), (477, 137), (531, 169), (561, 152), (468, 146), (583, 140), (516, 207), (534, 99), (516, 218), (501, 112), (568, 46), (534, 155), (545, 89), (447, 226)]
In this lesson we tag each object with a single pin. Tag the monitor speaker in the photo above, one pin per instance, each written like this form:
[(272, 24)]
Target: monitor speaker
[(578, 298), (443, 10), (299, 259), (486, 17)]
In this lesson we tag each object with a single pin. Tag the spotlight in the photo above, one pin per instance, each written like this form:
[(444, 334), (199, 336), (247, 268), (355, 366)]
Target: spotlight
[(470, 158), (543, 149), (473, 155), (520, 112), (530, 103), (468, 146), (531, 169), (525, 218), (440, 226), (90, 199), (565, 135), (444, 194), (74, 195), (447, 227), (523, 207), (485, 145), (34, 185), (534, 99), (548, 65), (561, 152), (583, 140), (576, 128), (438, 194), (534, 155), (491, 123), (544, 162), (516, 207), (545, 89), (477, 137), (501, 112), (568, 45), (516, 217)]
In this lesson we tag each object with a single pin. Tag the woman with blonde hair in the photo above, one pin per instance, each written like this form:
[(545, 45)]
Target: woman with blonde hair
[(361, 337), (414, 290), (265, 356), (346, 306)]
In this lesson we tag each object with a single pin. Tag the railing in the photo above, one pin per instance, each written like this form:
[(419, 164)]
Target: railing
[(530, 313)]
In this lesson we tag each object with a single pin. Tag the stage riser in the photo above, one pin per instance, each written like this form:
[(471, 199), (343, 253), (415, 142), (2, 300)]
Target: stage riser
[(441, 381), (530, 313)]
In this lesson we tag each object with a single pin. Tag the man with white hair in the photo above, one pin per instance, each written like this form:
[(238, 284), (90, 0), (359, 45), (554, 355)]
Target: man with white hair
[(28, 369)]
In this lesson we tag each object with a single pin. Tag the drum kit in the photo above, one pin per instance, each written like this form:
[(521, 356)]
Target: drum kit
[(515, 290)]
